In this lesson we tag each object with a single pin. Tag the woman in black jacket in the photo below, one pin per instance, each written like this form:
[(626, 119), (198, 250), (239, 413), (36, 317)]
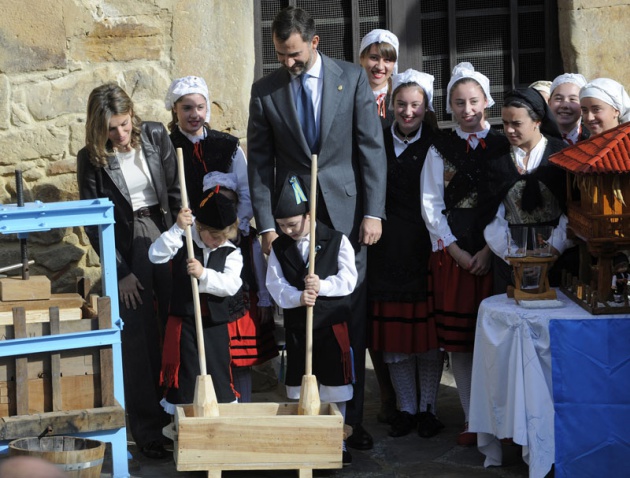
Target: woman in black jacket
[(133, 164)]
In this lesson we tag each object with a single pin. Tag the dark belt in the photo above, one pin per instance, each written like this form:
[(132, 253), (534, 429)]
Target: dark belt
[(148, 211)]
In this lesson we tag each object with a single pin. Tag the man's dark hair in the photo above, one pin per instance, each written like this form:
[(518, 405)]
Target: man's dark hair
[(293, 20)]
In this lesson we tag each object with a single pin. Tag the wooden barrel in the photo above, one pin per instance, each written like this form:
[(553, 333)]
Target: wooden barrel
[(77, 457)]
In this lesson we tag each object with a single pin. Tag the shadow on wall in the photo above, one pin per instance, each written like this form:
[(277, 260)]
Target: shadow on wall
[(62, 254)]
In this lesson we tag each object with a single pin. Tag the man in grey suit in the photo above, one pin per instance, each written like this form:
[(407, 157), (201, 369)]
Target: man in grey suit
[(352, 165)]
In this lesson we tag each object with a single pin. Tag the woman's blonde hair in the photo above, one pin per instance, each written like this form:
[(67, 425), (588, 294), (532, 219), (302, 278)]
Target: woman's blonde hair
[(104, 102)]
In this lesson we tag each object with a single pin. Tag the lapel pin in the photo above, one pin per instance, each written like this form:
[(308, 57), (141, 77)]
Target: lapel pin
[(340, 87)]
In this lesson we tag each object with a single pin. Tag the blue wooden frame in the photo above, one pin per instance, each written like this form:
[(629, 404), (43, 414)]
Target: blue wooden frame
[(40, 217)]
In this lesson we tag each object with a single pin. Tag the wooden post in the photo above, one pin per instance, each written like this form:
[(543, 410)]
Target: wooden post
[(309, 392), (205, 402)]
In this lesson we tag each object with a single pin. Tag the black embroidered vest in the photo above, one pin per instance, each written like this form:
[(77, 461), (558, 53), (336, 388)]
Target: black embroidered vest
[(213, 153), (328, 310), (221, 309)]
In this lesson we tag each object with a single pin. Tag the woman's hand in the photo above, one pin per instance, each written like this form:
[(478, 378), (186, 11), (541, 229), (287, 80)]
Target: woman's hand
[(481, 262), (129, 288), (462, 257)]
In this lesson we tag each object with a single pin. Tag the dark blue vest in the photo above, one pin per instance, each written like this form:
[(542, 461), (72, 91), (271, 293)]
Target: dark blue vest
[(328, 310)]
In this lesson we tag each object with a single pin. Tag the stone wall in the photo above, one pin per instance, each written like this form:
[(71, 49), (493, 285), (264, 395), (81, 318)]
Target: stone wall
[(53, 53), (594, 38)]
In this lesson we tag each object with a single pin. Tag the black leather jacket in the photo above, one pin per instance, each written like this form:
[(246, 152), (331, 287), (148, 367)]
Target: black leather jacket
[(108, 182)]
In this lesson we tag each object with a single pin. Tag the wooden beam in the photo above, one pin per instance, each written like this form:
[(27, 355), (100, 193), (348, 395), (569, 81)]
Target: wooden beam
[(21, 363), (106, 354), (55, 363)]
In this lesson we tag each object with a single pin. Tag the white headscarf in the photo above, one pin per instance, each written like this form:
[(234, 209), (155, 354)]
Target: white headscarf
[(542, 86), (611, 92), (574, 78), (217, 178), (381, 36), (424, 80), (186, 86), (466, 70)]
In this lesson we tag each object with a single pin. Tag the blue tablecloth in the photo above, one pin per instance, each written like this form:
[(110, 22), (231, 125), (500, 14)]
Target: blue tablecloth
[(591, 391)]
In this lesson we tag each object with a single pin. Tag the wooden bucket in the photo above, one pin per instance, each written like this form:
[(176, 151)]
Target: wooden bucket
[(77, 457)]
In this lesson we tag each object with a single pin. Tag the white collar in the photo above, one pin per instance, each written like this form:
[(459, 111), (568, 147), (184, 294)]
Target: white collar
[(479, 134), (194, 139), (376, 93), (535, 155), (415, 138), (316, 69)]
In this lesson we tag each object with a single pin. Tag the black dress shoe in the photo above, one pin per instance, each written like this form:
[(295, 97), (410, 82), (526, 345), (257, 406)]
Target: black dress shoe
[(346, 458), (360, 439), (402, 424), (428, 424), (154, 450)]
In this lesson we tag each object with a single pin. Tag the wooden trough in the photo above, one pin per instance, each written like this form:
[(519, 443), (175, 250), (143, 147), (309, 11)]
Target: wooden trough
[(258, 436)]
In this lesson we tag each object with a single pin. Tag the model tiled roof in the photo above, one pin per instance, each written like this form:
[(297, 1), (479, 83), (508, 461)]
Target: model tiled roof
[(608, 152)]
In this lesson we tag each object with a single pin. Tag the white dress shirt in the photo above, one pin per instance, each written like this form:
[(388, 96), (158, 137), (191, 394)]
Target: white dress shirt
[(221, 284), (338, 285)]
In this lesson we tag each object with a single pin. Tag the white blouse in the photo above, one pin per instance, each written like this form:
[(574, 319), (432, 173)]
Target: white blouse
[(221, 284)]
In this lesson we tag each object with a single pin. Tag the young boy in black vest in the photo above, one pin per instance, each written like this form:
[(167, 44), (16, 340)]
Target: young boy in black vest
[(217, 266), (327, 290)]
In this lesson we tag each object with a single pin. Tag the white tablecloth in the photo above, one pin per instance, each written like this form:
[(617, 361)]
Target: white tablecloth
[(511, 394)]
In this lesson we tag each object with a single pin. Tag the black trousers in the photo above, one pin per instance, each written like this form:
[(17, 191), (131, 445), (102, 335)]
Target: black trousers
[(357, 326), (141, 348), (217, 350)]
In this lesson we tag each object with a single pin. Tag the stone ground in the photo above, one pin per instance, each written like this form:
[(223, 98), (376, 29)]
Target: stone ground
[(405, 457)]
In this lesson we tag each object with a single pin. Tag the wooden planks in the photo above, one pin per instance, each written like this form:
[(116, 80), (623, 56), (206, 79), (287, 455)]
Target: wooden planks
[(106, 354), (21, 363), (255, 436), (37, 310), (16, 288), (62, 423)]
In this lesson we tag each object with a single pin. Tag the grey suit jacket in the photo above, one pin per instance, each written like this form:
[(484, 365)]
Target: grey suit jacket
[(352, 163)]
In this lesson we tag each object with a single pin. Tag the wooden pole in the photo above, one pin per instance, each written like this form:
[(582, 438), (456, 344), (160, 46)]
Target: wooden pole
[(309, 392), (205, 401)]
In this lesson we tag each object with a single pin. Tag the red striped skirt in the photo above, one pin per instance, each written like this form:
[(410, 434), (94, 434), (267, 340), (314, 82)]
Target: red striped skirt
[(403, 327), (457, 294), (251, 343)]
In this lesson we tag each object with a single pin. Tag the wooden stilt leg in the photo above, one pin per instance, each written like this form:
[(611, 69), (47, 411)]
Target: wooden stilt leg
[(305, 473)]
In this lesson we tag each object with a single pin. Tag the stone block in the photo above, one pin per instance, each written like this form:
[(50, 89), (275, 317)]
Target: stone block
[(596, 53), (33, 36), (57, 257), (31, 143), (229, 80), (138, 38), (5, 102)]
